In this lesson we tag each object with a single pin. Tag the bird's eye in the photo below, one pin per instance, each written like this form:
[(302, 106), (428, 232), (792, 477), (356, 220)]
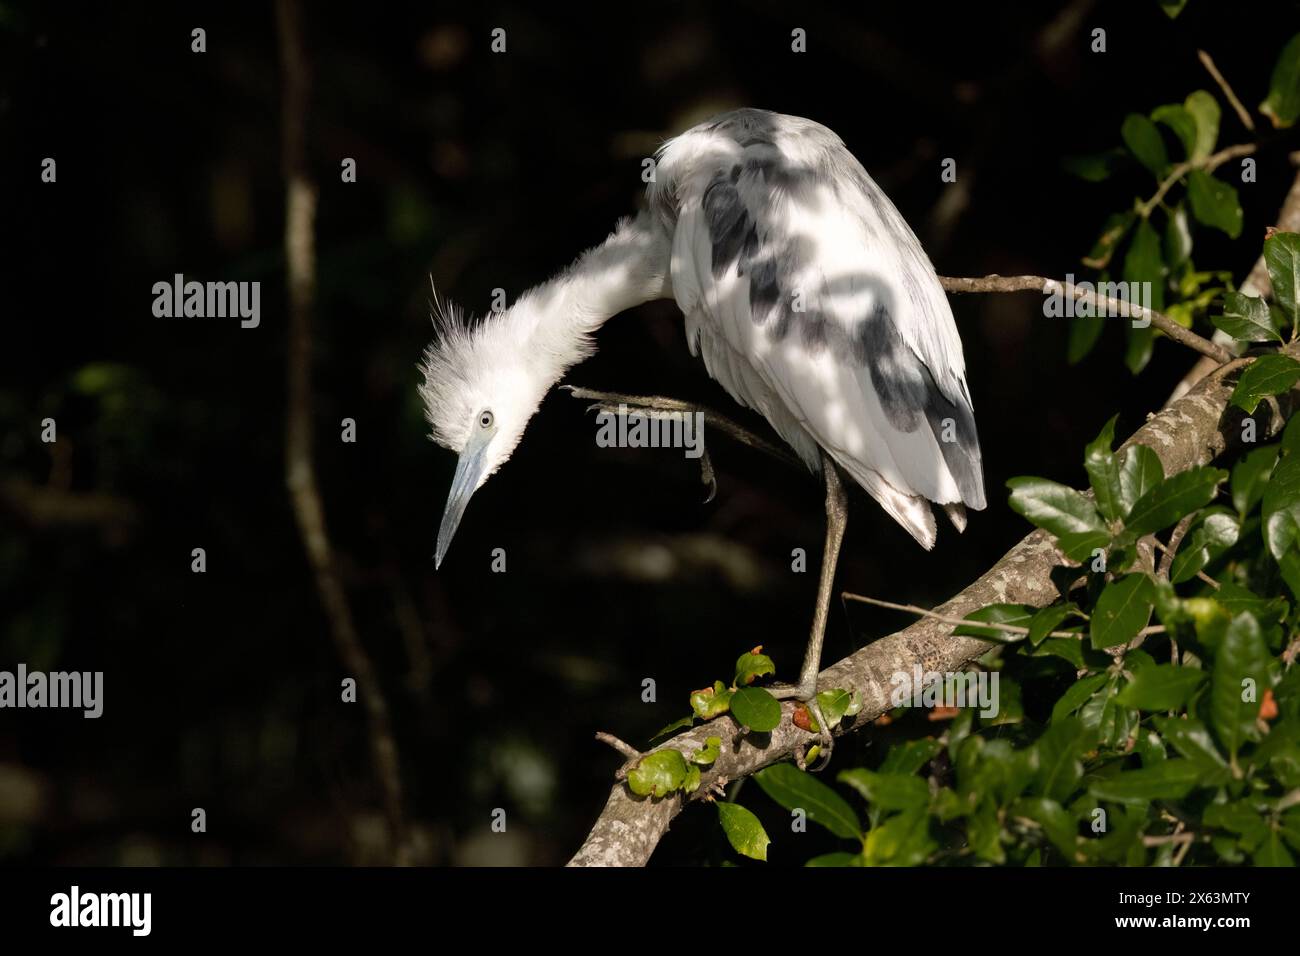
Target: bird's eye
[(485, 420)]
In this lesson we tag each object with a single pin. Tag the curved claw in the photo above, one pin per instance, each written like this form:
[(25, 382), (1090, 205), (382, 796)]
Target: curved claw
[(706, 473), (825, 745)]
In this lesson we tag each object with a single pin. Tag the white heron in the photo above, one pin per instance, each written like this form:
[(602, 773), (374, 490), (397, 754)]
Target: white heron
[(810, 300)]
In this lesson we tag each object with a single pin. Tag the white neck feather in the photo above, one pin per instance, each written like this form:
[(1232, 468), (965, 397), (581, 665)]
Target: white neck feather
[(629, 268)]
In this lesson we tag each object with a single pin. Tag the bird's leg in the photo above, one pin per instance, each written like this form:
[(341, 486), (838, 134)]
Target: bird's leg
[(837, 513)]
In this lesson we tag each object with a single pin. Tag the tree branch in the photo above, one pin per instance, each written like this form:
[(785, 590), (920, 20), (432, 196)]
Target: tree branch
[(997, 283), (299, 469), (1193, 431), (1242, 113)]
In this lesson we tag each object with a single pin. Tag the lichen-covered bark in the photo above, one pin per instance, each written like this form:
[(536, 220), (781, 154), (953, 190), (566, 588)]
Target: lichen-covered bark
[(1192, 431)]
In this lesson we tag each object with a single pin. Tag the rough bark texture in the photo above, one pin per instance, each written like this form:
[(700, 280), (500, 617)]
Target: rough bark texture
[(1193, 431)]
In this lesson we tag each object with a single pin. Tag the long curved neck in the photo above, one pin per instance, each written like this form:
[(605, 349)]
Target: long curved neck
[(629, 268)]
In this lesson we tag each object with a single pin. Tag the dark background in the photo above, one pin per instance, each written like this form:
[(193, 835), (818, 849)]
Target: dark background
[(483, 171)]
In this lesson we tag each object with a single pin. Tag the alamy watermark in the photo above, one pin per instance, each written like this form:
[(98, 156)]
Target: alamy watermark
[(82, 690), (639, 428), (208, 300), (1088, 300), (921, 688)]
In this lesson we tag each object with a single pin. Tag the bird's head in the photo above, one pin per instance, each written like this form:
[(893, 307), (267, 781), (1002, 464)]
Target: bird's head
[(483, 380)]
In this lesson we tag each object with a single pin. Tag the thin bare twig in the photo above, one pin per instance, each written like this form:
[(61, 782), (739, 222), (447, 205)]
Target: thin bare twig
[(997, 283), (1209, 164), (1175, 539), (622, 746), (967, 622), (300, 474), (1242, 113)]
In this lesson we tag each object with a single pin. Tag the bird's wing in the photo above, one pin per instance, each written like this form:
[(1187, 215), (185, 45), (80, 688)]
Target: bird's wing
[(788, 258)]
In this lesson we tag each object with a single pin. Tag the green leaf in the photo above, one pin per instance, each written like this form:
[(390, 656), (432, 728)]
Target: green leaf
[(1103, 472), (1289, 567), (711, 701), (1173, 499), (1214, 202), (1081, 547), (1204, 109), (1178, 239), (692, 781), (1123, 609), (1281, 507), (756, 709), (1144, 264), (1235, 599), (658, 773), (1113, 230), (1247, 318), (984, 833), (672, 728), (1143, 141), (1139, 471), (1239, 816), (902, 840), (888, 791), (1213, 535), (1272, 852), (794, 789), (1163, 687), (1077, 694), (1058, 752), (1166, 780), (1093, 167), (1054, 507), (708, 753), (1066, 648), (836, 859), (1084, 333), (834, 703), (1048, 620), (1172, 7), (1290, 828), (745, 834), (1282, 256), (1282, 105), (1190, 738), (1139, 342), (1250, 477), (1018, 615), (1178, 119), (1243, 656), (909, 756), (1060, 827), (1111, 722), (752, 665), (1267, 375)]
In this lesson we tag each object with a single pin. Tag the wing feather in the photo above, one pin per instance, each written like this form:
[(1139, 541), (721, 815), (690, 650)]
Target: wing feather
[(812, 302)]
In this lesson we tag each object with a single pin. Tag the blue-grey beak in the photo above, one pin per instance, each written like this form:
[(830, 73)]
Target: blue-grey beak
[(468, 471)]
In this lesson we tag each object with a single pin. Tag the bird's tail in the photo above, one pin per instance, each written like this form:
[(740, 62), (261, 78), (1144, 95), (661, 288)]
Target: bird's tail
[(911, 511)]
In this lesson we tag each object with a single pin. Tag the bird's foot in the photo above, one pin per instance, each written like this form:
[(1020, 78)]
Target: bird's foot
[(825, 742), (652, 406)]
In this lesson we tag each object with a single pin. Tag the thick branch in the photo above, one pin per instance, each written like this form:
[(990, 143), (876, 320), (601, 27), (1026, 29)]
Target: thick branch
[(300, 474), (1193, 431)]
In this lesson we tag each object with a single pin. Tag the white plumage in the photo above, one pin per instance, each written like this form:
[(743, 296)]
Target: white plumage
[(803, 289)]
